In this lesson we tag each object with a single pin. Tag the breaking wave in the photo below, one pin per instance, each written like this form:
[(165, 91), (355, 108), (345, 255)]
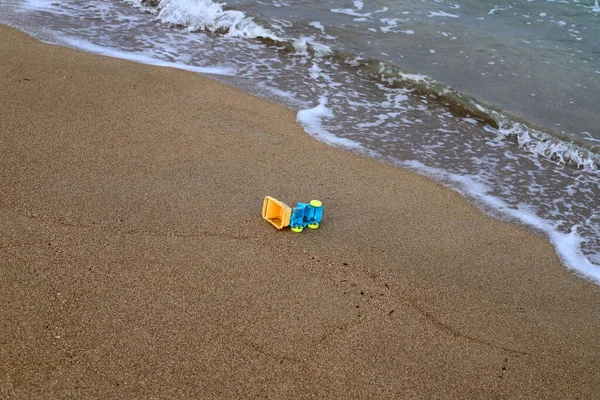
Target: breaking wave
[(207, 15), (532, 140)]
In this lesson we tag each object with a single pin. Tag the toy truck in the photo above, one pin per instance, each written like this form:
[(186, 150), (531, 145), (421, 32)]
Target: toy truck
[(303, 215)]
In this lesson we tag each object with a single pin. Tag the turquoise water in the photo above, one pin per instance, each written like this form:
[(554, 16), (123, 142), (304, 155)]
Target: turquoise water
[(536, 60), (497, 102)]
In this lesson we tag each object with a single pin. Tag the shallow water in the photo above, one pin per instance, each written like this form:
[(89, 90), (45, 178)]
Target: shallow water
[(357, 72), (535, 59)]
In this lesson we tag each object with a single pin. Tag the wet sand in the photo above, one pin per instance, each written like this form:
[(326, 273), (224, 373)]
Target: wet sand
[(134, 262)]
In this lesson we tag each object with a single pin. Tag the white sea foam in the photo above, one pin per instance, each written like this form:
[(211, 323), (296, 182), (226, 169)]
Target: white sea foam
[(200, 15), (311, 120), (441, 14), (358, 4), (391, 24), (493, 10), (380, 120), (317, 25), (567, 245), (352, 12), (209, 15), (544, 145), (143, 58), (309, 46)]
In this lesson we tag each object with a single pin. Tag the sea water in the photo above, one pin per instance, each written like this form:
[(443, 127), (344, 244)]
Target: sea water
[(498, 100)]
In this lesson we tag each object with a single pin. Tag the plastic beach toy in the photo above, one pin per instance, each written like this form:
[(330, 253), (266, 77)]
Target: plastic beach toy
[(303, 215)]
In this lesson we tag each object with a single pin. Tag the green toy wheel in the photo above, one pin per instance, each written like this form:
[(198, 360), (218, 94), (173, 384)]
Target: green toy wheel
[(296, 229), (313, 226), (316, 203)]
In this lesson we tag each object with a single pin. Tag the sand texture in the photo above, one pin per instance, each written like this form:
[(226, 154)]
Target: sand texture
[(134, 262)]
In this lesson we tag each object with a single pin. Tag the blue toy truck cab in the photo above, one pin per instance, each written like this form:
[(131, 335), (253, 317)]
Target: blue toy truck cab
[(306, 215)]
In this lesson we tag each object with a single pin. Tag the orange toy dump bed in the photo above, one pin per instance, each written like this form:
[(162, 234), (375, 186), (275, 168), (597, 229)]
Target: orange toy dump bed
[(276, 212)]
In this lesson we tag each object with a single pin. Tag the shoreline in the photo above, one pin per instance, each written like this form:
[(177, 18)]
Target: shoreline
[(136, 262), (576, 248)]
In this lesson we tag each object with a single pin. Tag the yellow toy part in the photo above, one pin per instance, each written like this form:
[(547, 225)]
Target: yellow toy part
[(297, 229), (276, 212), (316, 203), (313, 226)]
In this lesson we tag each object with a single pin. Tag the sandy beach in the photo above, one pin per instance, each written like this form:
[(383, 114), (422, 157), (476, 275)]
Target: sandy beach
[(134, 262)]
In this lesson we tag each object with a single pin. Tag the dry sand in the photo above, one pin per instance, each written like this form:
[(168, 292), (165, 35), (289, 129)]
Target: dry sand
[(134, 262)]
